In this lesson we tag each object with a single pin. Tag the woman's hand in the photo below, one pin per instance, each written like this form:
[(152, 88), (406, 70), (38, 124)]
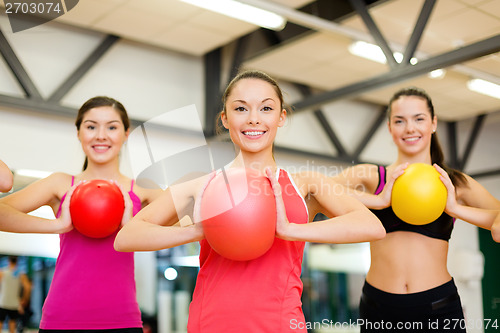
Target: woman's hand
[(282, 222), (128, 212), (451, 199), (385, 197), (64, 219)]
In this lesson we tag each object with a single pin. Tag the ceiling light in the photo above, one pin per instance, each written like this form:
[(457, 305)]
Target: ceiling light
[(437, 74), (484, 87), (244, 12), (368, 51), (374, 53)]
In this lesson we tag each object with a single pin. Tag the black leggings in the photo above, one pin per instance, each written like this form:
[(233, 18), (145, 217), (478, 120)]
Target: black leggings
[(435, 310), (119, 330)]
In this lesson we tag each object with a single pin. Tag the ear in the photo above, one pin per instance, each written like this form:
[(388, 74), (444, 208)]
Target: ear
[(434, 124), (283, 116), (389, 126), (127, 132), (223, 118)]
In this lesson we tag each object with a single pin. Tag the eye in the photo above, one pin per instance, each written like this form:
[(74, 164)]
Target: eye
[(113, 127), (240, 109), (267, 108), (90, 127)]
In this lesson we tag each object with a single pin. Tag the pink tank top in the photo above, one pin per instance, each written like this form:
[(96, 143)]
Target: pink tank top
[(260, 295), (93, 285)]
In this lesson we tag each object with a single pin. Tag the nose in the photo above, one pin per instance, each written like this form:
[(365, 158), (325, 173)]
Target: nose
[(101, 133), (254, 117), (410, 127)]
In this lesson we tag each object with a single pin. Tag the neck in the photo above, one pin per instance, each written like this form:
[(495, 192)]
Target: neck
[(423, 157), (102, 171), (258, 161)]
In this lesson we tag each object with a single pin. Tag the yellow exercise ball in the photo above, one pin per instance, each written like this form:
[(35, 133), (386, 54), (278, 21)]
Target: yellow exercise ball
[(418, 195)]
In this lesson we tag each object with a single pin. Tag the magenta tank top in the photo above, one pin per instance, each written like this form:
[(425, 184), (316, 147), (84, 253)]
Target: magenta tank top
[(93, 285), (260, 295)]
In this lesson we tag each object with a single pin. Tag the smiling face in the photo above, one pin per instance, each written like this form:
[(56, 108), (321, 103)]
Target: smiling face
[(253, 113), (412, 125), (102, 134)]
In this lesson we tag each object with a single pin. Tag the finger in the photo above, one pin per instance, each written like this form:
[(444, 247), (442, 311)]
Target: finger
[(72, 189), (274, 182), (399, 170)]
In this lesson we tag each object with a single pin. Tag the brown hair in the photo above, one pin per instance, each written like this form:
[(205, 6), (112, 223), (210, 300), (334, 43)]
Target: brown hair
[(248, 74), (100, 101), (437, 155)]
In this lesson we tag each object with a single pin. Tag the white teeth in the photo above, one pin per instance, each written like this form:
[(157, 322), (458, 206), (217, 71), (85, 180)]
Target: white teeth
[(253, 133), (101, 147), (411, 139)]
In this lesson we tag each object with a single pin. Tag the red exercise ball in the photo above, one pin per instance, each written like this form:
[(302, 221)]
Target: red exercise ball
[(96, 208), (238, 212)]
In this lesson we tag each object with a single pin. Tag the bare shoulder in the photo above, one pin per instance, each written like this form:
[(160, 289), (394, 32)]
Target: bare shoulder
[(188, 187), (303, 178), (476, 195), (59, 182), (360, 171), (147, 195), (46, 191), (311, 182), (359, 176)]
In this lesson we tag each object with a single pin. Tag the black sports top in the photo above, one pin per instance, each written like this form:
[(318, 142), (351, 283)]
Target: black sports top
[(440, 228)]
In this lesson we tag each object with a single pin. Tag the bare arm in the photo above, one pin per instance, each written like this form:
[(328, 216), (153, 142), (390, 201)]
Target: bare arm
[(156, 226), (471, 203), (358, 180), (6, 177), (495, 229), (352, 223), (14, 208)]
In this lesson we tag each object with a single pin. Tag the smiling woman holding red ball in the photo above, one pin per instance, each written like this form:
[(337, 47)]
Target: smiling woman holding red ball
[(93, 288), (263, 294)]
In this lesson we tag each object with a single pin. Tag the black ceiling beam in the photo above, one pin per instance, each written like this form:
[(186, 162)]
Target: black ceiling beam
[(238, 56), (483, 174), (418, 30), (55, 109), (325, 124), (17, 69), (451, 128), (478, 124), (326, 10), (404, 72), (37, 106), (213, 69), (369, 135), (83, 69), (360, 7)]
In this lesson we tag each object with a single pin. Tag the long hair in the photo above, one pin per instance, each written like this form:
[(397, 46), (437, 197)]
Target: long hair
[(100, 101), (437, 155)]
